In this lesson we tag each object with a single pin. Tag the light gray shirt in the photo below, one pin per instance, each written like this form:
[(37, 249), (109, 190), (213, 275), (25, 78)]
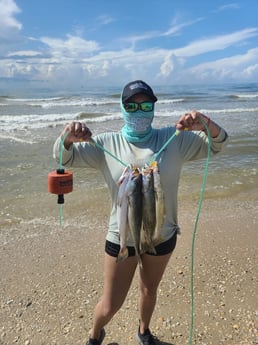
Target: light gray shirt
[(188, 145)]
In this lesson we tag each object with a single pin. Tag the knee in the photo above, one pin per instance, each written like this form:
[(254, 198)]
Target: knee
[(109, 308), (150, 290)]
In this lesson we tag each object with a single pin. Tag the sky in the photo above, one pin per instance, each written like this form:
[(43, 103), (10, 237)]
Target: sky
[(80, 44)]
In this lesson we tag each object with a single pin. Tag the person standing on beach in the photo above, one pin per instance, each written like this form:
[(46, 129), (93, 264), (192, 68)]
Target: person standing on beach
[(136, 143)]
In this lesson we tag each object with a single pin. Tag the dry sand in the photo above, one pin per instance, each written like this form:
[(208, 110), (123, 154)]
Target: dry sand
[(51, 279)]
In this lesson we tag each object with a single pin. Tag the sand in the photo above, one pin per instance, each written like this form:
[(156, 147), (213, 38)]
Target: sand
[(51, 279)]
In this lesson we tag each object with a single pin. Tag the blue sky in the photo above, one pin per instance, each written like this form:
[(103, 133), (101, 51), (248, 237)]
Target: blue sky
[(78, 44)]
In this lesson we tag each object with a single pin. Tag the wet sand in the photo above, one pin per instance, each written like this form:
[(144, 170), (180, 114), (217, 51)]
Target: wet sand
[(51, 278)]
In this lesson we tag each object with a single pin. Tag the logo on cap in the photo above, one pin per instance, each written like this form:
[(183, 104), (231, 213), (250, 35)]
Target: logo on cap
[(138, 85)]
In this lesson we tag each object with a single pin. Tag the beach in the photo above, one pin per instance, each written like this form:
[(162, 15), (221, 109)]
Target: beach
[(51, 279), (51, 274)]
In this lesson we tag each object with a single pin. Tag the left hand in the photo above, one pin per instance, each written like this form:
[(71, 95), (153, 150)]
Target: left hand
[(192, 121)]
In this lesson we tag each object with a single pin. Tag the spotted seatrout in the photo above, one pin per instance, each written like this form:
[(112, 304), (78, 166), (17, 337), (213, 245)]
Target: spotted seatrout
[(134, 193), (149, 210), (122, 214), (159, 201), (129, 210)]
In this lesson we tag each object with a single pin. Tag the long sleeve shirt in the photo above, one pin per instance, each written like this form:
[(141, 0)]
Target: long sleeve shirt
[(187, 146)]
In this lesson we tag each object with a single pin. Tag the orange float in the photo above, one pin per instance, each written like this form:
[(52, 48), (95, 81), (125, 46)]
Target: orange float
[(60, 182)]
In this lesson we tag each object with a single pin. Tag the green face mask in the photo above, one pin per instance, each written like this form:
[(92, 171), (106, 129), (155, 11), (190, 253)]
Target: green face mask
[(137, 125)]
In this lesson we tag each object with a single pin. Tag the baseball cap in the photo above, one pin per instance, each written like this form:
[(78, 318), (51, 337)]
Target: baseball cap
[(135, 87)]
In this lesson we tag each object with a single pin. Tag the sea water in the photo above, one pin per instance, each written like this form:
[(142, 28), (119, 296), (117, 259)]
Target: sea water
[(30, 123)]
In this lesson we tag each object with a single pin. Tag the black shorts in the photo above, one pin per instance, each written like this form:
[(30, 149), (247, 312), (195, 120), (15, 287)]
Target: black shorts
[(163, 248)]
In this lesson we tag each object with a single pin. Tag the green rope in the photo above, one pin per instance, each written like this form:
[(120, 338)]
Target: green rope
[(109, 153), (60, 214), (177, 132), (195, 230), (62, 149), (61, 167)]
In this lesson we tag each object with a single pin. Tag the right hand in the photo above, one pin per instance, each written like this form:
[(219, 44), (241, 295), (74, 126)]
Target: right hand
[(78, 132)]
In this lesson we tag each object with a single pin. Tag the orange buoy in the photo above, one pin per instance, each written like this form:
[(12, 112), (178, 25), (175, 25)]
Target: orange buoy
[(60, 182)]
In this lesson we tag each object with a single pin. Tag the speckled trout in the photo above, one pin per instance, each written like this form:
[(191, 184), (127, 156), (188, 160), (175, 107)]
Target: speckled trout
[(149, 210), (159, 201), (122, 213), (134, 193)]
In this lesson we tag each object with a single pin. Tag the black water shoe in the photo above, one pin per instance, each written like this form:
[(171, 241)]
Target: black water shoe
[(146, 338), (97, 341)]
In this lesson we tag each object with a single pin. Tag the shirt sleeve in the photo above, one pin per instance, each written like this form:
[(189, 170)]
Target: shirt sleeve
[(194, 144), (78, 155)]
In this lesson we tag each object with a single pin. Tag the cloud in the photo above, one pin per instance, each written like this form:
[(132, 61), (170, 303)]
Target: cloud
[(176, 28), (133, 40), (24, 53), (230, 6), (216, 43), (175, 63), (239, 67), (170, 65), (72, 46), (65, 62), (9, 26), (104, 19)]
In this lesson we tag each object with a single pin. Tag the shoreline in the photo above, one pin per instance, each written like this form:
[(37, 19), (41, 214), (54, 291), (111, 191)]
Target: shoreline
[(51, 279)]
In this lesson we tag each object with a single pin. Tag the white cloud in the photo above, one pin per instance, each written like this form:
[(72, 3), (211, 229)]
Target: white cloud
[(74, 60), (220, 42), (176, 28), (104, 19), (232, 5), (73, 46), (9, 26), (24, 53), (238, 67), (167, 67)]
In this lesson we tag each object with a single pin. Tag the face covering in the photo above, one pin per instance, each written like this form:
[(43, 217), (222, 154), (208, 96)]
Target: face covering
[(137, 128)]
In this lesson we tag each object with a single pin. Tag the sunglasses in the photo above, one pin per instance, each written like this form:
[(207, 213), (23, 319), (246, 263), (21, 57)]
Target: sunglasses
[(132, 107)]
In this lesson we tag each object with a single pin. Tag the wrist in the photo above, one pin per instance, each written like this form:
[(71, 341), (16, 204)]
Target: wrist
[(206, 121), (65, 141), (213, 128), (67, 144)]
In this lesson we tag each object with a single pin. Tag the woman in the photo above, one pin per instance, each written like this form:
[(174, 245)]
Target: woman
[(137, 143)]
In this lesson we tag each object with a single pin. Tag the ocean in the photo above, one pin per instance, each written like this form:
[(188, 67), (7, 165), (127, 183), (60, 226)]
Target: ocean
[(29, 125)]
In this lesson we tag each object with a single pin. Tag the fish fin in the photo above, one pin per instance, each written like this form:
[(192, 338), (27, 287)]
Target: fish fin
[(157, 240), (148, 247), (140, 261), (151, 249), (122, 255)]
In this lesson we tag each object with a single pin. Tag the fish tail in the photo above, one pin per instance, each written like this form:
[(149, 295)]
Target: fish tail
[(157, 240), (140, 261), (151, 249), (122, 255), (148, 246)]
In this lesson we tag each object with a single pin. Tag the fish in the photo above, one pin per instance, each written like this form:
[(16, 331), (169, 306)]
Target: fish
[(159, 202), (122, 214), (134, 194), (149, 210)]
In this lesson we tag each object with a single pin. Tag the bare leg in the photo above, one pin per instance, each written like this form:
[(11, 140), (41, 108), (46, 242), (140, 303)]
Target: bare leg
[(117, 281), (150, 277)]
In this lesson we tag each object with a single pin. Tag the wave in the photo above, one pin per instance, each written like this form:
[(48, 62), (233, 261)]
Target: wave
[(170, 101), (14, 138), (36, 121), (45, 120), (165, 113), (58, 101), (244, 96), (230, 110)]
